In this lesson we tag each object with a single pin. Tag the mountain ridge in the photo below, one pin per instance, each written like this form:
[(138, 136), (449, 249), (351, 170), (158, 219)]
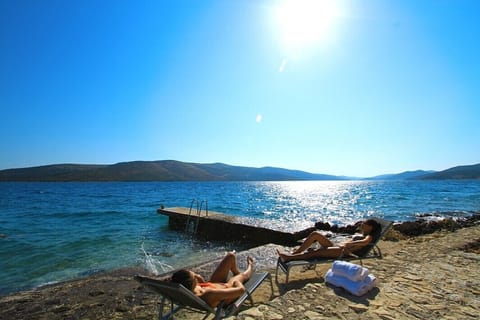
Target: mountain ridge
[(161, 170), (458, 173), (173, 170), (406, 175)]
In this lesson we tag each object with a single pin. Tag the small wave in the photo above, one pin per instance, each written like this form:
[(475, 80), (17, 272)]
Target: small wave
[(438, 216), (90, 272), (48, 283), (153, 265)]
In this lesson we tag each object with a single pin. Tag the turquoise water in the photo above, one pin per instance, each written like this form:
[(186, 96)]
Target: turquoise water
[(52, 232)]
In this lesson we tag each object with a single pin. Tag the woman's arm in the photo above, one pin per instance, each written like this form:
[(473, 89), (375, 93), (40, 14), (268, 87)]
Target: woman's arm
[(214, 296), (199, 278), (352, 245)]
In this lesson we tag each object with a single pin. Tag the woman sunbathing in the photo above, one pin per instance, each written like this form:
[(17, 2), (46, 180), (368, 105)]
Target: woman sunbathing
[(219, 288), (370, 230)]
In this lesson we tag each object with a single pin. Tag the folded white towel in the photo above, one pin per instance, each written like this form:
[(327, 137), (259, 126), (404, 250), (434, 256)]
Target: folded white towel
[(358, 288), (349, 270)]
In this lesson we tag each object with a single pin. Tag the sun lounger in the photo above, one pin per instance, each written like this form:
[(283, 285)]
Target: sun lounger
[(373, 252), (183, 298)]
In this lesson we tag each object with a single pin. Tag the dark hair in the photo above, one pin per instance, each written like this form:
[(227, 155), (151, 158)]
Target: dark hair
[(183, 277), (375, 234), (376, 228)]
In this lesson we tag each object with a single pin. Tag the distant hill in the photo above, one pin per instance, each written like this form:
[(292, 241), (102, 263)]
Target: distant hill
[(165, 170), (402, 176), (460, 172), (171, 170), (58, 172)]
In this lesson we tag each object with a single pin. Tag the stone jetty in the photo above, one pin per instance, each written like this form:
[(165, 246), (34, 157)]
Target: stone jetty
[(218, 226)]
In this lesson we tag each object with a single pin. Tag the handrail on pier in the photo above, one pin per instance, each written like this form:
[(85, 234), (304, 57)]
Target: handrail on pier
[(192, 227)]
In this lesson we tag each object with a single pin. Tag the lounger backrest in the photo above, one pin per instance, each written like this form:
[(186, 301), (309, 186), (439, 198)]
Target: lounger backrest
[(385, 226), (175, 292), (255, 280)]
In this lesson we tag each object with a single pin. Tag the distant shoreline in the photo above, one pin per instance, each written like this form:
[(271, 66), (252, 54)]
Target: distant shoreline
[(171, 170)]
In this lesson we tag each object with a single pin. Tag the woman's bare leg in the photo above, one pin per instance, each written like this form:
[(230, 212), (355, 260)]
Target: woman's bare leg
[(313, 237), (330, 252), (245, 275), (227, 265)]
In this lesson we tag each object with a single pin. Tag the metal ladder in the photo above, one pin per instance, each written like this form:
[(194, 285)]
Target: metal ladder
[(191, 226)]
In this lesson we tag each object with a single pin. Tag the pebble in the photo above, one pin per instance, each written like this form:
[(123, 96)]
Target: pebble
[(273, 316), (253, 312), (312, 315), (358, 308)]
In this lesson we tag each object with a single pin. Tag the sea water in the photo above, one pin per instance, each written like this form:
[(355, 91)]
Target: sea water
[(52, 232)]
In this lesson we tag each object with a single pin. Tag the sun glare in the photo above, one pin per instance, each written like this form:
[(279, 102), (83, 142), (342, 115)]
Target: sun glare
[(302, 23)]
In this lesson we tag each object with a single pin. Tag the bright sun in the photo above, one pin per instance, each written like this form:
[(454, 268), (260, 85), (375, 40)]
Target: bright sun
[(302, 23)]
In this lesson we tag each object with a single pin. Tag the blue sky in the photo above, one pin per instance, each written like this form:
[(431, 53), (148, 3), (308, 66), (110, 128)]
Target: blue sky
[(355, 88)]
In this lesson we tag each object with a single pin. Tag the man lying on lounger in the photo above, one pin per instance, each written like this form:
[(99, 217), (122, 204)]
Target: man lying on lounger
[(370, 229), (219, 288)]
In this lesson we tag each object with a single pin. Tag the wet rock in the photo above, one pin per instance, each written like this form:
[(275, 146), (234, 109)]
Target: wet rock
[(323, 226), (410, 228), (96, 293), (473, 246), (60, 309), (53, 302), (122, 308), (423, 226)]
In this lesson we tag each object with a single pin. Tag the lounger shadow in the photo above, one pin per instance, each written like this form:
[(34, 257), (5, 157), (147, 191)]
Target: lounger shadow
[(183, 298), (372, 252)]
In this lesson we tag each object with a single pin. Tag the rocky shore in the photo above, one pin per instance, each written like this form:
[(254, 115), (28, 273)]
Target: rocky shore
[(429, 277), (432, 276)]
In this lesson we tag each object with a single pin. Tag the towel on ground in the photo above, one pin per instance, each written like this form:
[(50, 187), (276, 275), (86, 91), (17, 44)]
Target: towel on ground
[(349, 270), (358, 288)]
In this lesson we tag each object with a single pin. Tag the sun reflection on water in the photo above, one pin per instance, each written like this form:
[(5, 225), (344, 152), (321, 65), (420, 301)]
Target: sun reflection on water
[(300, 204)]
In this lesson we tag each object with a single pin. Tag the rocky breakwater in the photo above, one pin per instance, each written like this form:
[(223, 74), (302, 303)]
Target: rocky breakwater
[(425, 224)]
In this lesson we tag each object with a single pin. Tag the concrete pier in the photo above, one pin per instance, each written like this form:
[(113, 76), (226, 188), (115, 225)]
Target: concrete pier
[(219, 226)]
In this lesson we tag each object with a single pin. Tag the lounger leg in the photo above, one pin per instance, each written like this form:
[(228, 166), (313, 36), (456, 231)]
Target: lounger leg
[(220, 313), (271, 283), (160, 308), (169, 315), (276, 274), (287, 272)]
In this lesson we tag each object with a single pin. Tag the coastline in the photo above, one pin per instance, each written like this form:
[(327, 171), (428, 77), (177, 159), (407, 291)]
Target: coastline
[(430, 276)]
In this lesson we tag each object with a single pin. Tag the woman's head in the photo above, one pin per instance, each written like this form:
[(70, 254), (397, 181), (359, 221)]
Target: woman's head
[(371, 227), (183, 277)]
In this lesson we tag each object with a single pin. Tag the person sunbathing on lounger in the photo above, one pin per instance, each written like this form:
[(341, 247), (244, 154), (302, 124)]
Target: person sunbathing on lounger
[(370, 230), (219, 287)]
